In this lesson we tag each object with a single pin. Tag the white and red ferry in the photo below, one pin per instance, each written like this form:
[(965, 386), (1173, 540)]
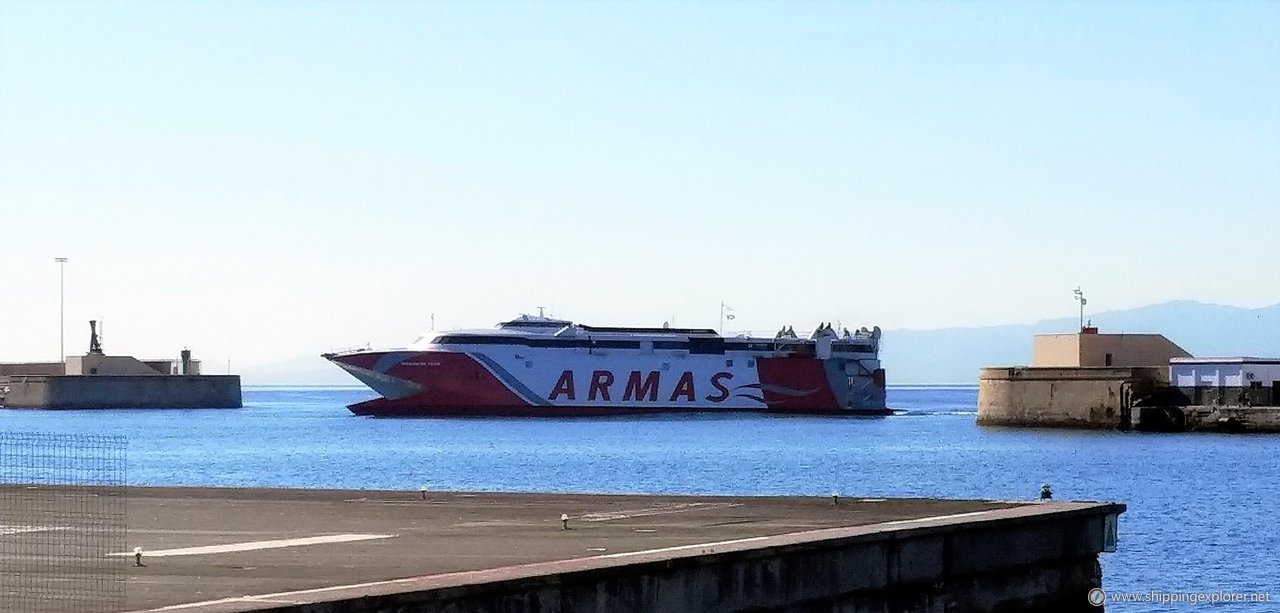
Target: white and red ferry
[(541, 366)]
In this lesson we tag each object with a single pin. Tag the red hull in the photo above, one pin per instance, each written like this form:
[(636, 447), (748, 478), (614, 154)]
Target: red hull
[(408, 407)]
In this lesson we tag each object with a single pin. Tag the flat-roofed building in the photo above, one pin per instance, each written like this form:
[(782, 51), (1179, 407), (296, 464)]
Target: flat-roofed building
[(1228, 380), (1089, 349)]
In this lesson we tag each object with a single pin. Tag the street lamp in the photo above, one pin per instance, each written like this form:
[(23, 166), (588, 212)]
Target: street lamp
[(1080, 298), (62, 312)]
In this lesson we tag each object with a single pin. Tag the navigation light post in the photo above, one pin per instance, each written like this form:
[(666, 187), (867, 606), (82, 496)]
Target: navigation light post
[(62, 312), (1080, 298)]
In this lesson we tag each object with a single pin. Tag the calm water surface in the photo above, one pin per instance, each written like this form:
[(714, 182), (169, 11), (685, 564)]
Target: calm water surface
[(1202, 507)]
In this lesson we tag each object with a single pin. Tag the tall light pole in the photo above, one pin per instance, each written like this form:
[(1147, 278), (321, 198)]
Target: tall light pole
[(1080, 298), (62, 312)]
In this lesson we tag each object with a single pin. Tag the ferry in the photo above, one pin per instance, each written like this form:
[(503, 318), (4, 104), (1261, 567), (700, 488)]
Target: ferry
[(542, 366)]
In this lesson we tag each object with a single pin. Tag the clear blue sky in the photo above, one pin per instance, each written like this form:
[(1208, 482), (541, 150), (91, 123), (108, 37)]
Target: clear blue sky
[(261, 180)]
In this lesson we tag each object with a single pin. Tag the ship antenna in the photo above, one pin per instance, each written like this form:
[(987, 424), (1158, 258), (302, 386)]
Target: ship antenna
[(541, 310)]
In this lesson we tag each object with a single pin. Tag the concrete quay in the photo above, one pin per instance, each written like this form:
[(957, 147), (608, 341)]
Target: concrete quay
[(1208, 418), (120, 391), (223, 550), (1095, 398)]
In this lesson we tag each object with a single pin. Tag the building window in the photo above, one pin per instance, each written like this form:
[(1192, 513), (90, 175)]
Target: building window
[(1108, 358)]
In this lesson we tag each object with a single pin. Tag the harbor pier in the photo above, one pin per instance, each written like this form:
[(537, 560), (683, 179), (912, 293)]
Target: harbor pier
[(121, 391), (96, 380), (1130, 382), (1084, 380), (224, 550)]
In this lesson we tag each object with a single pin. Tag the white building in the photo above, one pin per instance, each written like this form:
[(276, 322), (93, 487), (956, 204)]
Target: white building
[(1227, 380)]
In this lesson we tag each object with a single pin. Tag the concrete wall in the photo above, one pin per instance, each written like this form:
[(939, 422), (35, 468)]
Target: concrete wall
[(30, 368), (1129, 350), (1208, 419), (1055, 351), (1062, 397), (1231, 419), (1090, 350), (124, 391), (1032, 558), (99, 364)]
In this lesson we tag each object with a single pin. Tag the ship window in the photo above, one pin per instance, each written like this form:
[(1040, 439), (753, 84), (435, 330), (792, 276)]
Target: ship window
[(706, 345), (475, 340), (728, 363), (617, 344), (852, 348), (528, 363), (751, 363)]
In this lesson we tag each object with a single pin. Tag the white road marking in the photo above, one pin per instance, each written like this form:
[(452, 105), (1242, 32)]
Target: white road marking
[(922, 519), (10, 530), (664, 509), (255, 545), (703, 548), (399, 503), (291, 597), (279, 597)]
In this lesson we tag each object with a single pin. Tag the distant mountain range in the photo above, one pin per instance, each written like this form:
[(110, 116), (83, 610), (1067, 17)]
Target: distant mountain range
[(954, 355)]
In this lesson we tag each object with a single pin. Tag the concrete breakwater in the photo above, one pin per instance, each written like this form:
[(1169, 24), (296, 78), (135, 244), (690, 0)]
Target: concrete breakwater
[(121, 391), (1130, 382), (96, 380), (1207, 418), (1099, 398), (1109, 399)]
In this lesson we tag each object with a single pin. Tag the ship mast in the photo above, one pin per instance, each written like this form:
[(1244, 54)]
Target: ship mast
[(726, 312)]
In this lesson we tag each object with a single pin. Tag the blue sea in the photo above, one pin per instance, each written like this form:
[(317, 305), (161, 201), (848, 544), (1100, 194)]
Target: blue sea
[(1202, 507)]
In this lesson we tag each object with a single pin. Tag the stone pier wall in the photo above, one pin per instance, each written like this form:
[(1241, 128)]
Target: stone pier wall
[(1062, 397), (123, 391)]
